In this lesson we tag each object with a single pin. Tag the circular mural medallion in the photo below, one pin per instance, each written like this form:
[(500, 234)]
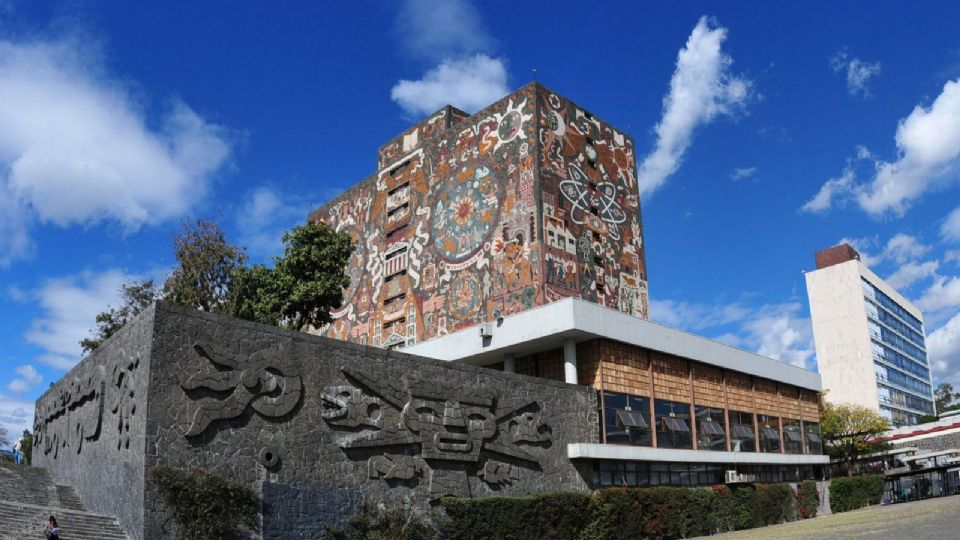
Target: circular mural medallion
[(465, 212), (509, 126), (464, 296)]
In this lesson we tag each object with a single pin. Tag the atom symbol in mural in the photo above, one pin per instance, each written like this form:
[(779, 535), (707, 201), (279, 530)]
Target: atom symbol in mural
[(584, 200)]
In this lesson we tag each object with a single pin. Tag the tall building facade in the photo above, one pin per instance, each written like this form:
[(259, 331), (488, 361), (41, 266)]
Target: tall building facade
[(869, 339), (472, 218)]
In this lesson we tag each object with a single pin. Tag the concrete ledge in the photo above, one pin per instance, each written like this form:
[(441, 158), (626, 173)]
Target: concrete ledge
[(641, 453)]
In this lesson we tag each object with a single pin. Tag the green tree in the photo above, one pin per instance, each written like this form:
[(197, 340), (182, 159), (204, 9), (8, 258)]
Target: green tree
[(207, 266), (311, 272), (26, 446), (136, 296), (946, 398), (304, 284), (850, 431)]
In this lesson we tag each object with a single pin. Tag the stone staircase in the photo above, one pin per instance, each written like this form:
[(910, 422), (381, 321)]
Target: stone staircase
[(28, 497)]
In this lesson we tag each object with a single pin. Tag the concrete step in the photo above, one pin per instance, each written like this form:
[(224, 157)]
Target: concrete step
[(20, 520)]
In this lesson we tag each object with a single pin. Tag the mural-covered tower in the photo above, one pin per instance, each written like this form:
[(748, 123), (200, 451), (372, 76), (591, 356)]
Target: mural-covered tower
[(472, 218)]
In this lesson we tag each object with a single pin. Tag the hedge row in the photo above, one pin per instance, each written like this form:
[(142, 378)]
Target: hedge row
[(627, 513), (204, 504), (850, 493)]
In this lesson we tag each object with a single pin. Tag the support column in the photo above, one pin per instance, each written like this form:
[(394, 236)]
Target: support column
[(570, 361), (509, 363)]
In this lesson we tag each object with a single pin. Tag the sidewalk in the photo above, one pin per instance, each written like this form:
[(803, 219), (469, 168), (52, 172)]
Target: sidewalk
[(932, 518)]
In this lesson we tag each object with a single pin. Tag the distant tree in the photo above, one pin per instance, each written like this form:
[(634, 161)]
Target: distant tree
[(304, 284), (26, 446), (946, 399), (135, 297), (311, 273), (850, 431), (207, 266)]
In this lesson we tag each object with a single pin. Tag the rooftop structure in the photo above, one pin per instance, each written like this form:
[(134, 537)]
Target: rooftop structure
[(870, 341)]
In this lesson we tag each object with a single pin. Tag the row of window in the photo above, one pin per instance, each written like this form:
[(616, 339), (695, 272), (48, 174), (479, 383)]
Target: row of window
[(901, 361), (896, 324), (627, 421), (899, 418), (885, 374), (891, 338), (885, 301), (892, 396), (643, 474)]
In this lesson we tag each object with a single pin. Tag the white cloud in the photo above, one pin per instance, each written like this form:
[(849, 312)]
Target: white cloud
[(900, 248), (942, 294), (943, 347), (774, 330), (16, 415), (470, 84), (928, 143), (858, 72), (833, 188), (436, 30), (263, 218), (950, 229), (70, 306), (741, 173), (910, 273), (78, 148), (701, 88)]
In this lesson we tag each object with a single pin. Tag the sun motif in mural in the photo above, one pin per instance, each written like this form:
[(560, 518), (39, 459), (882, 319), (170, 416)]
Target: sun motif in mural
[(466, 209), (464, 296), (511, 123)]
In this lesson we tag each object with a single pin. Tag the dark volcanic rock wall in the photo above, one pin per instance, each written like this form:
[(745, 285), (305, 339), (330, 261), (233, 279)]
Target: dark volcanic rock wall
[(319, 424), (89, 428)]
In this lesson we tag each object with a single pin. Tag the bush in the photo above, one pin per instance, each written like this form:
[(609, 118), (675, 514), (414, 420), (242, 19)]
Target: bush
[(548, 515), (808, 499), (773, 503), (378, 522), (850, 493), (206, 505)]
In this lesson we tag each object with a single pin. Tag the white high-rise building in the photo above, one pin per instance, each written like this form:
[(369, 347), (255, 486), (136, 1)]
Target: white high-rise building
[(869, 339)]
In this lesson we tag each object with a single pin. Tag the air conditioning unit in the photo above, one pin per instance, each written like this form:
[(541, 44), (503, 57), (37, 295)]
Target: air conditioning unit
[(486, 330)]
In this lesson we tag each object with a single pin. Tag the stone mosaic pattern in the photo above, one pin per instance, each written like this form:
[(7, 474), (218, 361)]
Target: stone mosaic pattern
[(470, 218), (316, 425), (90, 427)]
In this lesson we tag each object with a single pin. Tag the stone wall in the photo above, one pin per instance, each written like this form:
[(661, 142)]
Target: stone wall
[(934, 443), (90, 427), (316, 425)]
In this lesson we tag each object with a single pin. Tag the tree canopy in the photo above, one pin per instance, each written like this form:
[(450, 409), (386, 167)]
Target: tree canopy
[(946, 398), (850, 431), (305, 283), (135, 296)]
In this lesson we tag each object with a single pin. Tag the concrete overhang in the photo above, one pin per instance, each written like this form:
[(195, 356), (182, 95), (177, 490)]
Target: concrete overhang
[(642, 453), (548, 326)]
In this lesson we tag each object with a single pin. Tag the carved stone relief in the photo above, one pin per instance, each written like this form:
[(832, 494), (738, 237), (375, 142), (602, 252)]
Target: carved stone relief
[(73, 416), (267, 381), (450, 431)]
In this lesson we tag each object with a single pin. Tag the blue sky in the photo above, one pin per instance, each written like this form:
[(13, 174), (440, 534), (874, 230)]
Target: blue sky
[(765, 131)]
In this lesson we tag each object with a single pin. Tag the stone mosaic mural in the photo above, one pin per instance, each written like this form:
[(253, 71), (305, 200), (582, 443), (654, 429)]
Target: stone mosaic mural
[(470, 218)]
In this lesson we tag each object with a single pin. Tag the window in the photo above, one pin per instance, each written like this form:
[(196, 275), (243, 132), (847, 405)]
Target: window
[(673, 430), (627, 419), (394, 301), (390, 327), (396, 263), (741, 431), (812, 432), (711, 434), (792, 438), (397, 234), (769, 434), (399, 168)]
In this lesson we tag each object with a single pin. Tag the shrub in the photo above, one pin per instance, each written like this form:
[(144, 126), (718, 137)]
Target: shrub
[(850, 493), (206, 505), (808, 499), (379, 522), (549, 515), (774, 503)]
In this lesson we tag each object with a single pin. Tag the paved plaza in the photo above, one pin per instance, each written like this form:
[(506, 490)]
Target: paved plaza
[(932, 518)]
